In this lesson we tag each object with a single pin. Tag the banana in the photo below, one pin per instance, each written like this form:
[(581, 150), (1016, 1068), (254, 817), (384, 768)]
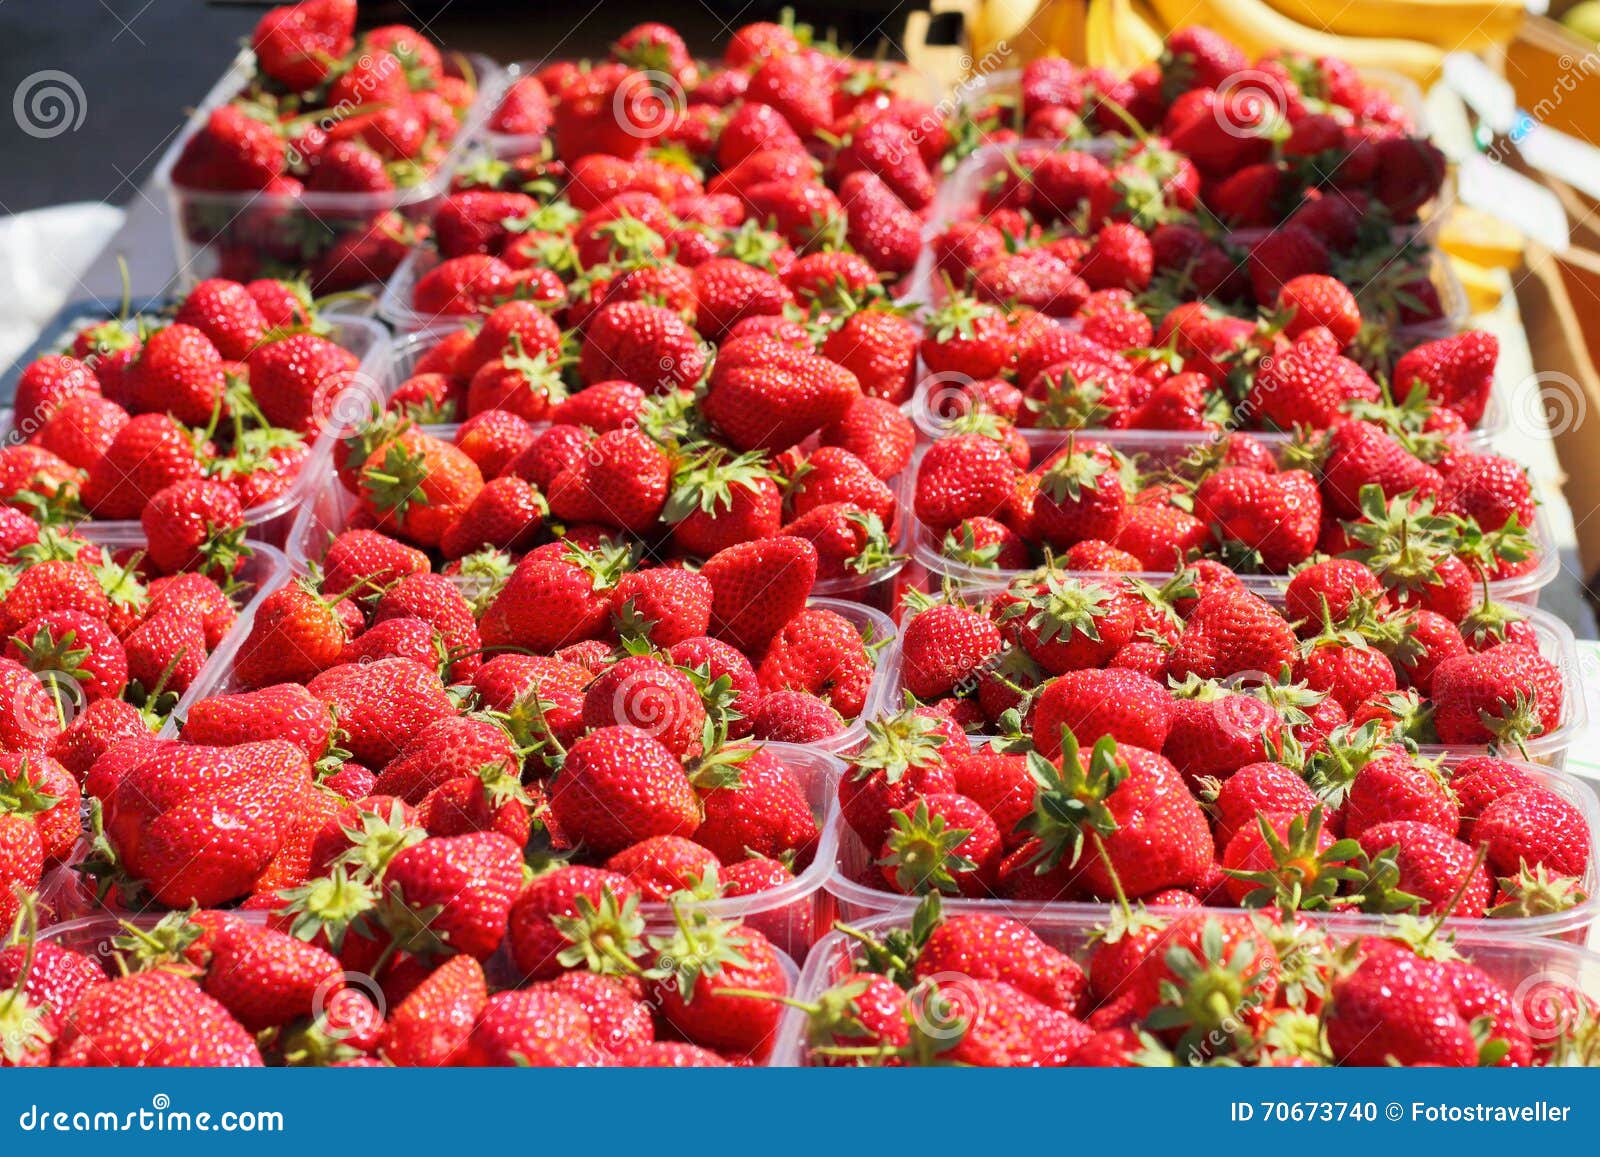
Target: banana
[(1100, 38), (1475, 236), (1137, 39), (1454, 25), (1257, 28), (1057, 28), (991, 21), (1485, 287)]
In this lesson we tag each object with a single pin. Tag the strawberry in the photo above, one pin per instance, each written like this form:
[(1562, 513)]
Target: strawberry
[(1434, 867), (102, 725), (166, 652), (621, 482), (147, 455), (1505, 694), (619, 786), (524, 384), (366, 562), (1457, 372), (757, 587), (1490, 489), (417, 485), (665, 605), (297, 380), (457, 890), (22, 860), (1310, 384), (1064, 624), (642, 343), (644, 693), (762, 811), (81, 429), (463, 285), (764, 394), (879, 347), (879, 225), (1130, 707), (233, 152), (1398, 1007), (968, 338), (381, 706), (1287, 252), (1080, 495), (202, 824), (298, 44), (433, 1024), (1359, 454), (986, 542), (1133, 804), (267, 978), (74, 648), (550, 602), (794, 717), (538, 928), (294, 636), (1534, 828), (1232, 631), (197, 525), (944, 648), (505, 515), (494, 439), (1316, 299), (714, 966), (663, 866), (1336, 583), (1271, 517), (154, 1018), (448, 748), (227, 313), (1002, 1027), (532, 1028), (284, 711), (967, 476), (728, 291), (45, 385)]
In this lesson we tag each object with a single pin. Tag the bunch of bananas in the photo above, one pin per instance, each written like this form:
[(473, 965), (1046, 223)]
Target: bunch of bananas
[(1405, 36)]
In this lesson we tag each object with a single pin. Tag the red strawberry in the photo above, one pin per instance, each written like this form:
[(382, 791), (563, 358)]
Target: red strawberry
[(764, 394), (1507, 693), (470, 882), (148, 454), (533, 934), (619, 786), (757, 587), (156, 1019), (298, 379), (1130, 707), (1456, 371), (1232, 631), (433, 1024), (294, 636), (1273, 517), (195, 525), (621, 482), (1534, 828)]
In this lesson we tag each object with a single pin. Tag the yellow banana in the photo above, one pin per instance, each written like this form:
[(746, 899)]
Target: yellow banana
[(1057, 28), (991, 21), (1482, 239), (1454, 25), (1258, 28), (1137, 39), (1100, 38), (1485, 287)]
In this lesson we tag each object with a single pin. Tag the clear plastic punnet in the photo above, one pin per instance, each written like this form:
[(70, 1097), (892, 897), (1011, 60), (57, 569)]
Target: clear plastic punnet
[(930, 566), (254, 233), (1533, 970), (270, 521)]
